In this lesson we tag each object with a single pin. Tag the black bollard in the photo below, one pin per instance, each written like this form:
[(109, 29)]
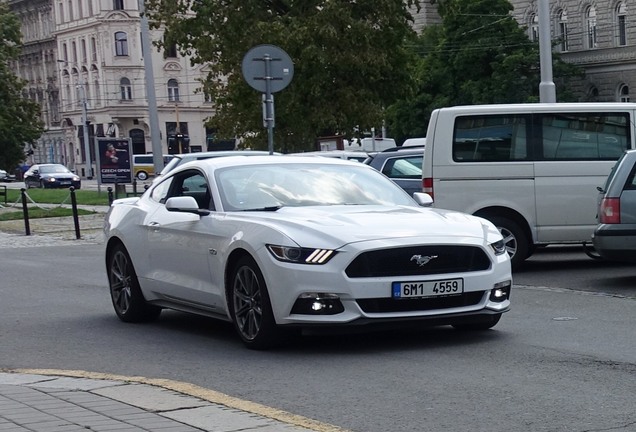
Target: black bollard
[(134, 187), (75, 215), (110, 196), (25, 212)]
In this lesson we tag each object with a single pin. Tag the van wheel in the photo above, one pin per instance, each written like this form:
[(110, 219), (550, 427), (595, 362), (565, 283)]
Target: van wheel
[(516, 242), (142, 175)]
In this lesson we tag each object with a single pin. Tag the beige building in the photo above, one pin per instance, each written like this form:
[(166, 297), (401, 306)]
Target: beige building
[(91, 53)]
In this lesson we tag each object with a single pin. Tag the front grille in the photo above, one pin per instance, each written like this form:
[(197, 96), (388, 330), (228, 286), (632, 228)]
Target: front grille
[(403, 261), (380, 305)]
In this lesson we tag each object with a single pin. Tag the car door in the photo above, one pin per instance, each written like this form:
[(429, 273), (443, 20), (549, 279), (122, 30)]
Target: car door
[(181, 246)]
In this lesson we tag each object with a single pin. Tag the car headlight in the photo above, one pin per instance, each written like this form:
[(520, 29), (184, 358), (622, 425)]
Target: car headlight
[(301, 255), (76, 178), (51, 179), (499, 247)]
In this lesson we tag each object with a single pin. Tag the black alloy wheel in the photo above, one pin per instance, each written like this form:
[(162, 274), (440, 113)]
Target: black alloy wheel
[(250, 306), (128, 300)]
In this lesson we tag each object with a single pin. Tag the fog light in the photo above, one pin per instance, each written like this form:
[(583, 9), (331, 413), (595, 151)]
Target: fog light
[(500, 291), (318, 304)]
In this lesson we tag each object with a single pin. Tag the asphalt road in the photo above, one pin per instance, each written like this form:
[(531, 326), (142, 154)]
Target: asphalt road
[(563, 359)]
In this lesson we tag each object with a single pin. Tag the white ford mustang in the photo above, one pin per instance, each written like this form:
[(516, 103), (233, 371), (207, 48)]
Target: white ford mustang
[(274, 243)]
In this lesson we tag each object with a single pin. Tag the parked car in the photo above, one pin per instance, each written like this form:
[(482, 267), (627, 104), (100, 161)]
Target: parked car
[(274, 244), (6, 177), (50, 176), (403, 165), (179, 159), (615, 236), (144, 166)]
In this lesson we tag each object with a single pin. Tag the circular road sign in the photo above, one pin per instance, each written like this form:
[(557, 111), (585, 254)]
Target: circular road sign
[(267, 63)]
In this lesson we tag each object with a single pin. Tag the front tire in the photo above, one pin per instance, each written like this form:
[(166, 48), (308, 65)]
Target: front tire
[(125, 292), (142, 175), (516, 241), (250, 306)]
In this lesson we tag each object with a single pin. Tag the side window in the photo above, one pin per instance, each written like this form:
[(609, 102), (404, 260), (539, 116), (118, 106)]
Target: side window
[(191, 183), (160, 192), (490, 138), (403, 167), (581, 136)]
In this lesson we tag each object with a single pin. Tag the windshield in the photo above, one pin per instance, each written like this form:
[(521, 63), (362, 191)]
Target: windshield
[(51, 169), (257, 187)]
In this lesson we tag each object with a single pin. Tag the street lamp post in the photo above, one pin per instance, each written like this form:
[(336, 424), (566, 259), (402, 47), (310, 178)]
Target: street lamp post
[(87, 148)]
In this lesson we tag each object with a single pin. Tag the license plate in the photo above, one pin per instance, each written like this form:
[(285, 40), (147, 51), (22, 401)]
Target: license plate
[(65, 183), (444, 287)]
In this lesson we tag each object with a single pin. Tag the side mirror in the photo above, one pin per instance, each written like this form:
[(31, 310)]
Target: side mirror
[(185, 204), (423, 199)]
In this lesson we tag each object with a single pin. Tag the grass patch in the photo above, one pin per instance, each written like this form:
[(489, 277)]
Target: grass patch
[(37, 213), (59, 196)]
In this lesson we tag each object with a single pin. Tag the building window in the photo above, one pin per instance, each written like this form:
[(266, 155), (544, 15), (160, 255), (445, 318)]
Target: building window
[(590, 24), (170, 50), (534, 28), (70, 10), (98, 101), (90, 8), (592, 94), (126, 89), (93, 49), (173, 90), (562, 26), (83, 48), (65, 52), (620, 17), (623, 93), (61, 9), (74, 51), (121, 44), (118, 4)]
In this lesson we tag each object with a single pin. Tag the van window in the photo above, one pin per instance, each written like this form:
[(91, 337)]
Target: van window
[(584, 136), (490, 138), (143, 160), (540, 137)]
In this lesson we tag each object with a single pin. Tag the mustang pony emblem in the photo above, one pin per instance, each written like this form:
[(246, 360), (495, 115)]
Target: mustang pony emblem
[(422, 260)]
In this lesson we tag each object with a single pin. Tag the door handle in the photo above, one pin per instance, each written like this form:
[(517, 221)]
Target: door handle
[(155, 226)]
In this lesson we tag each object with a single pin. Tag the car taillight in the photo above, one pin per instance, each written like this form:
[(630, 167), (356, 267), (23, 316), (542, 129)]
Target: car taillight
[(610, 211), (427, 186)]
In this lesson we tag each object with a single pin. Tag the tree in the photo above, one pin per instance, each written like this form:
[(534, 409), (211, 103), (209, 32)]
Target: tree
[(350, 61), (477, 55), (19, 117)]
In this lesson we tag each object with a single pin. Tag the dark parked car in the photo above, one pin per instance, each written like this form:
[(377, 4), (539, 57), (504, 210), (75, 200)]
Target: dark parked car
[(403, 165), (615, 236), (50, 176)]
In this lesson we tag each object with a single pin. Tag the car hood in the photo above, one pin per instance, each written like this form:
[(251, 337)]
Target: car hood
[(339, 225)]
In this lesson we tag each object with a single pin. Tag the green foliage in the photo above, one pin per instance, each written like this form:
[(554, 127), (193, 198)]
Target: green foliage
[(478, 55), (19, 117), (350, 61), (37, 213), (58, 196)]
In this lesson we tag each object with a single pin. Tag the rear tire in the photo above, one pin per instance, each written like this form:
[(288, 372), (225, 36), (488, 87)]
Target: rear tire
[(516, 241), (480, 324), (142, 175), (125, 292)]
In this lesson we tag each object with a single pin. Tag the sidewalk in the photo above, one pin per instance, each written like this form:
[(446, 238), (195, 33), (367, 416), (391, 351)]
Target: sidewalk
[(72, 401)]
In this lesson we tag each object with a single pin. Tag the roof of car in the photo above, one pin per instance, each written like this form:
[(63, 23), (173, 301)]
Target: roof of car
[(258, 160)]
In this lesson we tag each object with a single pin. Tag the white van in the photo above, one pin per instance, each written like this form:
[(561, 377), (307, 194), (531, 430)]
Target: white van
[(531, 169)]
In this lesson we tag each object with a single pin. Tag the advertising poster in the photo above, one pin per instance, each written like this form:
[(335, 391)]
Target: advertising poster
[(115, 160)]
